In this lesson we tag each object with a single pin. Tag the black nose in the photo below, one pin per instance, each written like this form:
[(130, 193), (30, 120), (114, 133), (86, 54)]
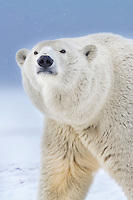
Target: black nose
[(45, 61)]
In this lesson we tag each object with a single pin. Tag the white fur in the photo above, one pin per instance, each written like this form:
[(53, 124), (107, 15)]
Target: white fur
[(88, 107)]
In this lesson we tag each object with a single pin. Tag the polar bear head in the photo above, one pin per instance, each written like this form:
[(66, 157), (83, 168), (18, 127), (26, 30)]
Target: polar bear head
[(67, 79)]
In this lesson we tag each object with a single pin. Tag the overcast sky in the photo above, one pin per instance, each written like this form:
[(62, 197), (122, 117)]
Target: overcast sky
[(26, 22)]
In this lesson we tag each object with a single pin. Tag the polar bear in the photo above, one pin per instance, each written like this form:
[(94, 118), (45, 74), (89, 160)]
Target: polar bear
[(84, 86)]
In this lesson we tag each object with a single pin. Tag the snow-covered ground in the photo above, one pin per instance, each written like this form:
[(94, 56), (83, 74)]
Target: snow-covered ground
[(20, 135)]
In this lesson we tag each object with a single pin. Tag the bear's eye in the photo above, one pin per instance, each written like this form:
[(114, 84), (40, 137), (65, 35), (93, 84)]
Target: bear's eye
[(63, 51), (35, 52)]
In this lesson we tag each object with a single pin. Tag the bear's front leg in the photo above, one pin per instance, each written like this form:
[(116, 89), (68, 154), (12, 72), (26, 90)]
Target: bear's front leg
[(114, 152), (66, 165)]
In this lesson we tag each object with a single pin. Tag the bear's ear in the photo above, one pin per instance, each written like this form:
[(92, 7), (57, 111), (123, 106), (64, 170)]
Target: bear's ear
[(21, 56), (90, 51)]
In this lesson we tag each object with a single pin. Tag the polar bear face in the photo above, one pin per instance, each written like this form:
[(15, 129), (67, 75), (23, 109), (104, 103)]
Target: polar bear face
[(67, 80)]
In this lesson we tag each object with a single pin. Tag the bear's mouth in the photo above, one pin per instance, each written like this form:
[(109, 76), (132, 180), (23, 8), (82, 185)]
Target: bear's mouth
[(51, 70)]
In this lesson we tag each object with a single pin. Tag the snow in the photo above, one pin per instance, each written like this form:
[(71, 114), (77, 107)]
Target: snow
[(21, 126)]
